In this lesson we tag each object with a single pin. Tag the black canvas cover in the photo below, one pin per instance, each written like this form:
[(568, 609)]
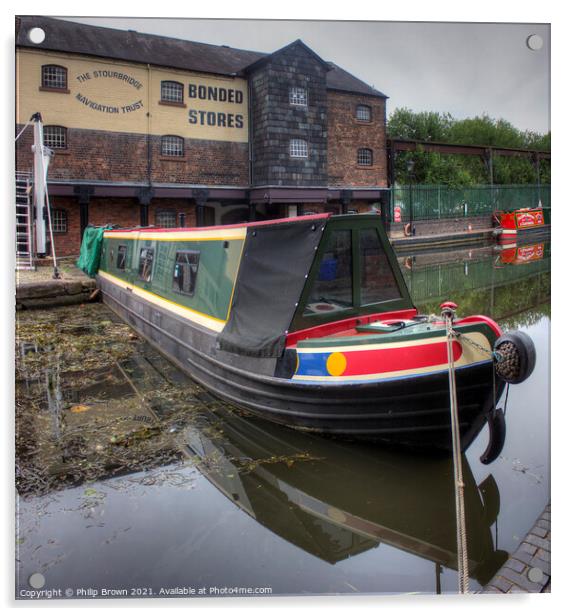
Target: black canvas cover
[(271, 277)]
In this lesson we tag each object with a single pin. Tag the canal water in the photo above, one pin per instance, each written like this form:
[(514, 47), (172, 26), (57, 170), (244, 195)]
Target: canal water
[(134, 481)]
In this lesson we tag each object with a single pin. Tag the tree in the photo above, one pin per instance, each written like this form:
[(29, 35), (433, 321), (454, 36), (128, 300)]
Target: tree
[(458, 170)]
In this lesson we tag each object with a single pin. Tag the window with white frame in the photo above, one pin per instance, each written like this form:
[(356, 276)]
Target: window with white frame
[(298, 148), (171, 145), (298, 96), (59, 221), (364, 157), (54, 77), (171, 92), (363, 113), (56, 137)]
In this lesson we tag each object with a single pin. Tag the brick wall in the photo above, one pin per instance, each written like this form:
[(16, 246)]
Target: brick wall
[(122, 157), (113, 211), (346, 135), (102, 211), (67, 244), (120, 212), (177, 206), (219, 163)]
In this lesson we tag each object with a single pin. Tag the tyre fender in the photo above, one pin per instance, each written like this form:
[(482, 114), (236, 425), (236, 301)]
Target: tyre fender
[(515, 357)]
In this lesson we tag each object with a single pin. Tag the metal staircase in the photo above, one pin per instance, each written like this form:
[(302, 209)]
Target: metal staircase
[(24, 222)]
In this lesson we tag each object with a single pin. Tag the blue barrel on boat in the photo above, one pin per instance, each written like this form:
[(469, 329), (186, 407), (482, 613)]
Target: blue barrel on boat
[(328, 269)]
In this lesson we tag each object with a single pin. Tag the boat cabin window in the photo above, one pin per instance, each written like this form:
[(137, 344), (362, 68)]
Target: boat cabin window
[(122, 255), (146, 264), (378, 283), (185, 271), (333, 288)]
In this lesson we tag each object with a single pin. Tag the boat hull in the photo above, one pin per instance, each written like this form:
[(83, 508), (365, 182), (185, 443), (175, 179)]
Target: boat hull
[(411, 410)]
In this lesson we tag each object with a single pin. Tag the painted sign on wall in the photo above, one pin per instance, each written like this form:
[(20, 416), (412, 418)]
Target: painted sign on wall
[(112, 96), (84, 78)]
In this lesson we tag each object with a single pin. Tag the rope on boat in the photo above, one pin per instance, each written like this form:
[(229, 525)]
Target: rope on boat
[(461, 545)]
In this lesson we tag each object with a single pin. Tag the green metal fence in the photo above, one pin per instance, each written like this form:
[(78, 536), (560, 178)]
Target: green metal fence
[(432, 202)]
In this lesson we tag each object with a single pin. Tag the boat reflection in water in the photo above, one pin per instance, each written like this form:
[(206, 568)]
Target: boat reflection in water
[(337, 499)]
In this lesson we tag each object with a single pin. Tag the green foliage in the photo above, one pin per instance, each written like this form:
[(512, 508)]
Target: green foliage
[(459, 170)]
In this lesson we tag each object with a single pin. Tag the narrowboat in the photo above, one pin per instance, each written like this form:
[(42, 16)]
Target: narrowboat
[(308, 322), (509, 225)]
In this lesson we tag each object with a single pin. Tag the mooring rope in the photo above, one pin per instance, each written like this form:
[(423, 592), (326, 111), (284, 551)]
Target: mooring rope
[(461, 546)]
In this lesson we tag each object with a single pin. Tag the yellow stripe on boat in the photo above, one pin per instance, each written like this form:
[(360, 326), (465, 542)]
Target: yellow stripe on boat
[(200, 318), (207, 235)]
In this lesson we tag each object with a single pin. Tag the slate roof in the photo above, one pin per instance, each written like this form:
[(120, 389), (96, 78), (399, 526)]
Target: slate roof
[(128, 45)]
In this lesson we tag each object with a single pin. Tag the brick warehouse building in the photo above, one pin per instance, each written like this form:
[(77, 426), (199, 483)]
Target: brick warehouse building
[(150, 130)]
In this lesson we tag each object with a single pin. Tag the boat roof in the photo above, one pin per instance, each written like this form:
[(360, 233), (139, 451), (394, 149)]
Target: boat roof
[(279, 260), (248, 225)]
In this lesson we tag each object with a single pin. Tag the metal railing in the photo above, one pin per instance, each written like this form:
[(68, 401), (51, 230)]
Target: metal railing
[(434, 202)]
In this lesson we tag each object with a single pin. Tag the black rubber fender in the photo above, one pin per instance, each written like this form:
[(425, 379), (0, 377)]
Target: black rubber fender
[(525, 351), (497, 436)]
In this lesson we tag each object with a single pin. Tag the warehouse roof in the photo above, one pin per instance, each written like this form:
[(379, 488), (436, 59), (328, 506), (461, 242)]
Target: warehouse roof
[(128, 45)]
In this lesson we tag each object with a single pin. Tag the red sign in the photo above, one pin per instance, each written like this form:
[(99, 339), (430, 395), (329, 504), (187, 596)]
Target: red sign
[(534, 218)]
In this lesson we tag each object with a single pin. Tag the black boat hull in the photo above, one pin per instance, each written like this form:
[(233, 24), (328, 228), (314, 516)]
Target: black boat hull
[(409, 411)]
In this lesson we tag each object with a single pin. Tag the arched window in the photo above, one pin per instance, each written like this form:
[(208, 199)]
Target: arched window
[(54, 77), (172, 92), (364, 157), (56, 137), (363, 113), (172, 145)]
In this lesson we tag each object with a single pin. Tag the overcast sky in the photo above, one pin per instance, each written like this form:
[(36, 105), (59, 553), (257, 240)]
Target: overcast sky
[(465, 69)]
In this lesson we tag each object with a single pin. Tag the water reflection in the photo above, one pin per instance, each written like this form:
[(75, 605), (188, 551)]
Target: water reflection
[(509, 284), (336, 500), (130, 474)]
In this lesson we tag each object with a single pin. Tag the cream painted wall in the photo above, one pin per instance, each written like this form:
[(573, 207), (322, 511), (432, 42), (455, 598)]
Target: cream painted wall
[(99, 101)]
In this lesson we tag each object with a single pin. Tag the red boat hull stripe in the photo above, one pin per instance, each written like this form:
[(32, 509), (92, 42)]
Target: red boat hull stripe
[(401, 358)]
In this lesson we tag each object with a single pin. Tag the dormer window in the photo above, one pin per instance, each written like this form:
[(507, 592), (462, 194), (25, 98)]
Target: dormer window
[(54, 77), (298, 96)]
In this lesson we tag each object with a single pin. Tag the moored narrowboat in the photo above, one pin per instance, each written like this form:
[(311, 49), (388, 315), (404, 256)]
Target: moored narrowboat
[(509, 225), (308, 322)]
